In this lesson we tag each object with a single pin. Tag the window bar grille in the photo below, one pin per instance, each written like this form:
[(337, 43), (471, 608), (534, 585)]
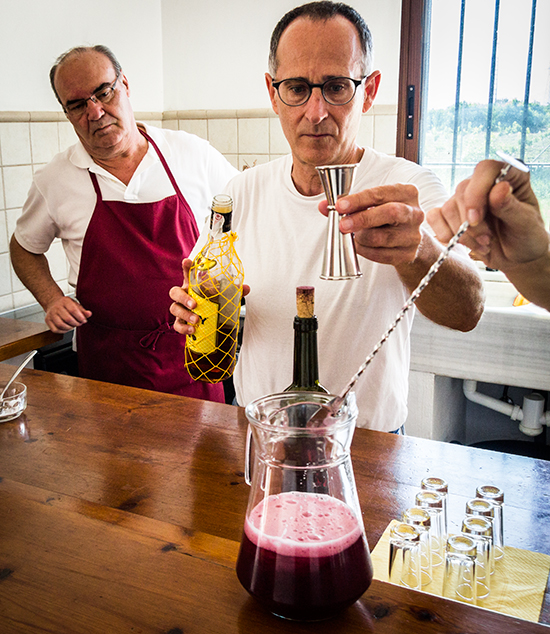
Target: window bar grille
[(426, 48), (492, 81), (528, 81), (457, 94)]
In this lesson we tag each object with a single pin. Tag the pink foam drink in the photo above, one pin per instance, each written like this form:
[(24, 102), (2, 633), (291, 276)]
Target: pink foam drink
[(304, 556)]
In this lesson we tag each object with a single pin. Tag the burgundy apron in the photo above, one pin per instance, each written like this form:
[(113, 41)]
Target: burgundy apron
[(131, 258)]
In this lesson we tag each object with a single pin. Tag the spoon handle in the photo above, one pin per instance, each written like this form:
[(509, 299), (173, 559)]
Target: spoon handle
[(510, 162), (414, 296), (18, 371)]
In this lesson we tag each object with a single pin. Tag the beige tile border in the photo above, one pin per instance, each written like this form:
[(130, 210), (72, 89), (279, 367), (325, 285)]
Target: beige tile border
[(8, 116), (256, 113), (47, 117), (243, 113), (148, 116), (171, 115)]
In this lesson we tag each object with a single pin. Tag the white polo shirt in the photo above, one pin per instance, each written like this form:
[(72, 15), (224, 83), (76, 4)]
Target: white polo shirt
[(62, 199)]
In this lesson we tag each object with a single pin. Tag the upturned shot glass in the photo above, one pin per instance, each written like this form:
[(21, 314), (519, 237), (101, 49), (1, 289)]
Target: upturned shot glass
[(440, 485), (421, 520), (496, 496), (459, 580), (480, 530), (404, 562), (432, 502), (486, 509)]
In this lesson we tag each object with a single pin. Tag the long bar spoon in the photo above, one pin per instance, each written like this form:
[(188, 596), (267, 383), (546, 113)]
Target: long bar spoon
[(18, 372), (333, 406)]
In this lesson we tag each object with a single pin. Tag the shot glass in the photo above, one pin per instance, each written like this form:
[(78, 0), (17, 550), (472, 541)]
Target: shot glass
[(496, 496), (404, 563), (459, 580), (420, 519), (486, 509), (432, 502), (480, 530), (441, 486)]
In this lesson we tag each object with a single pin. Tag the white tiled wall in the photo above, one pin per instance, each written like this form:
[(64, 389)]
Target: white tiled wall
[(29, 140)]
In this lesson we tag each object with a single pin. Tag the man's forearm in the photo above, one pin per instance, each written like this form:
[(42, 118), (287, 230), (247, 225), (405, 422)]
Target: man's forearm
[(454, 297), (532, 280), (34, 271)]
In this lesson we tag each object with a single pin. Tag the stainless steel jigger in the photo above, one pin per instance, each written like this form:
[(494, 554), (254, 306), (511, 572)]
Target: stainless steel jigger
[(340, 259)]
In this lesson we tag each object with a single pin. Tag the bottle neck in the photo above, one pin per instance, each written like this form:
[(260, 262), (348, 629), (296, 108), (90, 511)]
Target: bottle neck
[(306, 365), (220, 222)]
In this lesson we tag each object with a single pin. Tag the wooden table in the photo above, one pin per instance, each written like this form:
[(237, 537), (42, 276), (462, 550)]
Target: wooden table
[(18, 337), (121, 511)]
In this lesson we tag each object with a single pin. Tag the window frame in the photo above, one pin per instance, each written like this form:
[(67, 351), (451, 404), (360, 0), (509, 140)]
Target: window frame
[(413, 49), (413, 46)]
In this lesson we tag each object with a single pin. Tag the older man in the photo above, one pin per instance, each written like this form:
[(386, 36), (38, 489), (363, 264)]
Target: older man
[(320, 82), (126, 201)]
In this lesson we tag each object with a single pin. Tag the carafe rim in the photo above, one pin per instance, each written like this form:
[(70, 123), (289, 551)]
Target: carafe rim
[(349, 415)]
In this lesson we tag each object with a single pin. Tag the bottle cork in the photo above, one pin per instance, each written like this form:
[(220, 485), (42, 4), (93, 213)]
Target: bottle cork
[(305, 301)]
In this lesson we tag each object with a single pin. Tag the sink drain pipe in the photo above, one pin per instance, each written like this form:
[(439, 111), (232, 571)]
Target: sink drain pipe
[(532, 416)]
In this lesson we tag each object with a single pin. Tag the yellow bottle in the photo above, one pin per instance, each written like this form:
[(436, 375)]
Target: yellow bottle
[(216, 284)]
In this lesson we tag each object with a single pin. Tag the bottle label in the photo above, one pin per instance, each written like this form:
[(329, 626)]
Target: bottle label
[(204, 339), (220, 222)]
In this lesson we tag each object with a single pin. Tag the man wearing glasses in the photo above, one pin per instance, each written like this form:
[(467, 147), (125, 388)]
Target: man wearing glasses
[(320, 81), (126, 201)]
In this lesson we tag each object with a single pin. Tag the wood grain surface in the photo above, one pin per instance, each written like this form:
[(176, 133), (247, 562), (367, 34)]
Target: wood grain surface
[(121, 510), (18, 337)]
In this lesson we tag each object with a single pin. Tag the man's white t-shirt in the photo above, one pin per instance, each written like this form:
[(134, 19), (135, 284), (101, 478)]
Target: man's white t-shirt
[(282, 237)]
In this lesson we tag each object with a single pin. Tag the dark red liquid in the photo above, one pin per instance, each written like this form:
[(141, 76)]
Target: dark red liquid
[(305, 588)]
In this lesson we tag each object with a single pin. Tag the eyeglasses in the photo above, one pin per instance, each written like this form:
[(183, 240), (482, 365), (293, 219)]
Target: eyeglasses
[(103, 95), (337, 91)]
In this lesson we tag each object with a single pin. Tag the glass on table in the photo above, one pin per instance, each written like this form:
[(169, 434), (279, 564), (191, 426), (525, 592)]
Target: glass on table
[(432, 502), (405, 555), (440, 485), (486, 509), (459, 580), (495, 495), (480, 530), (421, 520)]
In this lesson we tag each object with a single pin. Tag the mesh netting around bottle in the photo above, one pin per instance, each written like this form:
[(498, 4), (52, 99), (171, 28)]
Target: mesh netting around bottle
[(210, 353)]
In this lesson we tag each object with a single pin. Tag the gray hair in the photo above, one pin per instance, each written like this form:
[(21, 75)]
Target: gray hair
[(79, 50), (323, 10)]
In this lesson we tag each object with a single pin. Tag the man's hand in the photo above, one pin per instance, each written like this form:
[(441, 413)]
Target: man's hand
[(387, 223), (184, 304), (64, 314), (385, 220), (506, 225)]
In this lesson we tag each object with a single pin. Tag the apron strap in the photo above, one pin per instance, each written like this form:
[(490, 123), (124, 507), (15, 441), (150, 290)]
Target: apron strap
[(96, 185), (164, 163)]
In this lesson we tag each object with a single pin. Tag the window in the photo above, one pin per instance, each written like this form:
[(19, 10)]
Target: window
[(475, 78)]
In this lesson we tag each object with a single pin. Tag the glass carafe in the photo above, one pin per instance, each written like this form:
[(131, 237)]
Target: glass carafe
[(304, 554)]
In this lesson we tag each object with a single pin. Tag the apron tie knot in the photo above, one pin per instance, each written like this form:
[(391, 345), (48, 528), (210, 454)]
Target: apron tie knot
[(151, 338)]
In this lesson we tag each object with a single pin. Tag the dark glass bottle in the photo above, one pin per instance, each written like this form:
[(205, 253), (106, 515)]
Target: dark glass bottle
[(305, 450), (306, 365)]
